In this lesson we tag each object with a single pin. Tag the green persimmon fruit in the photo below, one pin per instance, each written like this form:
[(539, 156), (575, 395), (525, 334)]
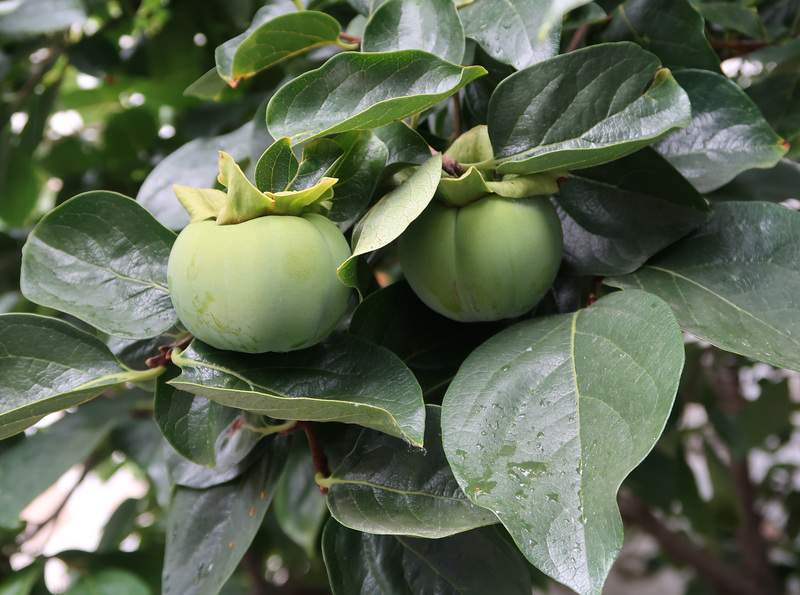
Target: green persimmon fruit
[(493, 258), (268, 284)]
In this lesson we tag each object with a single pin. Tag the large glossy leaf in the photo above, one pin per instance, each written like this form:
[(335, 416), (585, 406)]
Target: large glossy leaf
[(508, 30), (277, 40), (195, 164), (51, 452), (727, 135), (208, 531), (48, 365), (734, 282), (354, 91), (616, 216), (583, 109), (341, 379), (277, 167), (545, 420), (387, 219), (778, 97), (672, 29), (430, 25), (363, 160), (102, 258), (383, 487), (479, 562)]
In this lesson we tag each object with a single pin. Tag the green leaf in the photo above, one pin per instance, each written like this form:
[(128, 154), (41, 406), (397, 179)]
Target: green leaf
[(583, 109), (508, 30), (320, 156), (734, 16), (387, 219), (341, 379), (778, 98), (109, 581), (732, 282), (278, 39), (545, 420), (617, 215), (299, 507), (102, 258), (383, 487), (364, 158), (225, 54), (48, 365), (43, 16), (480, 561), (208, 531), (355, 91), (430, 25), (52, 451), (195, 164), (672, 29), (194, 426), (774, 185), (277, 167), (727, 135)]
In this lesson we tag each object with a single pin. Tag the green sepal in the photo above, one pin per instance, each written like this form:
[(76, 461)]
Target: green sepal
[(457, 192), (243, 201), (200, 203), (512, 186), (474, 146)]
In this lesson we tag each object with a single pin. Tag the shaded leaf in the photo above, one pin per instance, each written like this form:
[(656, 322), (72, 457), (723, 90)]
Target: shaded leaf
[(383, 487), (48, 365), (508, 30), (774, 185), (364, 158), (544, 421), (727, 135), (430, 25), (734, 16), (354, 91), (277, 167), (319, 158), (479, 561), (406, 146), (616, 216), (672, 29), (208, 531), (109, 581), (299, 506), (733, 283), (583, 109), (340, 379), (387, 219), (102, 258)]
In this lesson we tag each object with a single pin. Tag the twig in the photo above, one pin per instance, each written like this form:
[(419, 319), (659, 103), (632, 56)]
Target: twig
[(321, 467), (453, 167), (578, 37), (31, 532), (752, 546), (723, 577), (350, 38), (163, 359), (456, 116)]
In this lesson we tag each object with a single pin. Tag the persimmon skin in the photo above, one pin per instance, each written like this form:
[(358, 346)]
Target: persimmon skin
[(268, 284), (494, 258)]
